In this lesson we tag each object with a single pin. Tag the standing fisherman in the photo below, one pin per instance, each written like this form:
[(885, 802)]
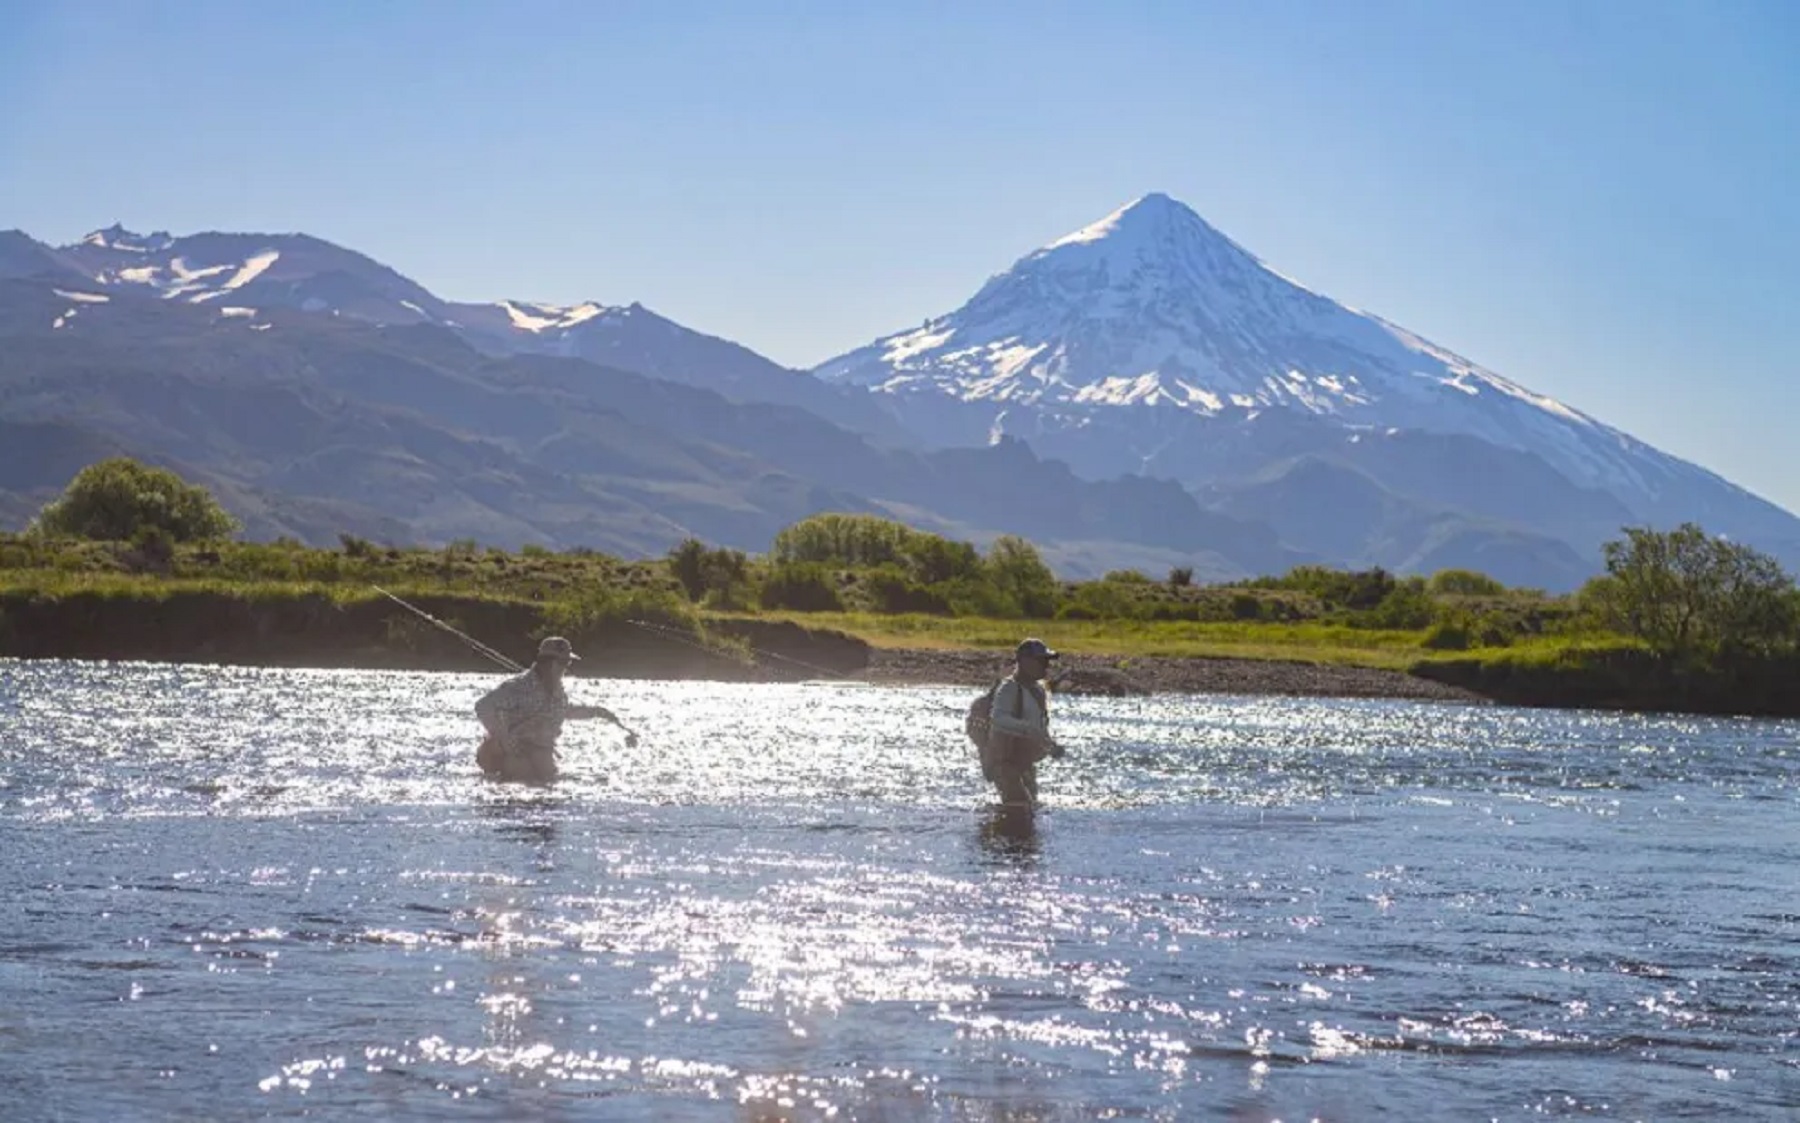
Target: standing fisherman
[(524, 716), (1020, 727)]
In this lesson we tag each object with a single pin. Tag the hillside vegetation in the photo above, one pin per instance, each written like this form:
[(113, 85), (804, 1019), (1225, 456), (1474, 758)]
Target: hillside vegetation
[(1679, 613)]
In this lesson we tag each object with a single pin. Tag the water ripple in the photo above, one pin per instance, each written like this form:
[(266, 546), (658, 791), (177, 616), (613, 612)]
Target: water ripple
[(256, 891)]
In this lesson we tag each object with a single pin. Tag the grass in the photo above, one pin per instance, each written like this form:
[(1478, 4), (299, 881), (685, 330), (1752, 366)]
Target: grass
[(1298, 642), (574, 589)]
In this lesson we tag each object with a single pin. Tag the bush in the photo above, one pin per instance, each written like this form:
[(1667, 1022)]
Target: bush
[(971, 596), (720, 577), (152, 551), (117, 499), (1181, 576), (1246, 606), (1447, 636), (1406, 606), (801, 587), (1127, 577), (1464, 583), (889, 590), (355, 547), (1355, 590), (1103, 600)]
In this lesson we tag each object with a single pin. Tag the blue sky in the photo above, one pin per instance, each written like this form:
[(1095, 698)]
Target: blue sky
[(1597, 200)]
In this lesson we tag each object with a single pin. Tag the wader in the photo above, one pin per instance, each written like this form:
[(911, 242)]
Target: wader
[(528, 762)]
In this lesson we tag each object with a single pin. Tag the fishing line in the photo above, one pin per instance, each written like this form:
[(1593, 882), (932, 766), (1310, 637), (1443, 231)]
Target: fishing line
[(490, 653), (474, 644), (726, 652), (843, 676), (665, 632)]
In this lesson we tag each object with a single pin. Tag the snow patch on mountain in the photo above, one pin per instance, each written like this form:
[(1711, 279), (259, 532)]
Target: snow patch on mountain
[(538, 318), (1152, 308), (254, 266)]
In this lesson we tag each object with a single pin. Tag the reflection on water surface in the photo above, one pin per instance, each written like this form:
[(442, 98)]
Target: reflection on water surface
[(253, 891)]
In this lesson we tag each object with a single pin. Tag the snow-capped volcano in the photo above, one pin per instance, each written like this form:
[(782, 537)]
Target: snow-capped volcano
[(1151, 342), (1152, 306)]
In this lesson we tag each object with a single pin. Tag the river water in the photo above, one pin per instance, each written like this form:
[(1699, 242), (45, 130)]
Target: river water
[(230, 892)]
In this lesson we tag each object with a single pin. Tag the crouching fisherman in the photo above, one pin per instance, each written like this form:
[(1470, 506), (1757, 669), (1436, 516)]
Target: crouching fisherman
[(524, 716), (1019, 727)]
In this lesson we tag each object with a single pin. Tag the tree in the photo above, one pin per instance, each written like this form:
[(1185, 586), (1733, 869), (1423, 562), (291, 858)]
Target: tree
[(1021, 576), (688, 561), (1688, 594), (120, 499), (720, 574)]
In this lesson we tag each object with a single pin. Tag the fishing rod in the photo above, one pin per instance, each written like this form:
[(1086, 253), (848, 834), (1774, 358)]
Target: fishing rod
[(631, 737), (474, 644)]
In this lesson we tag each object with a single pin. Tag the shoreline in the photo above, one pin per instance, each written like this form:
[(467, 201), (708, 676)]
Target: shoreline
[(310, 629), (1149, 675), (974, 668)]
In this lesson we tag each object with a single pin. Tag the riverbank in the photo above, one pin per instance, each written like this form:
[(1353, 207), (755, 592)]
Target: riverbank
[(1107, 675), (312, 627)]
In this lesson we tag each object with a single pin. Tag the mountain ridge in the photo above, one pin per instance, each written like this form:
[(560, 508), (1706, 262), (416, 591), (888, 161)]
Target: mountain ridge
[(1131, 343), (1146, 345)]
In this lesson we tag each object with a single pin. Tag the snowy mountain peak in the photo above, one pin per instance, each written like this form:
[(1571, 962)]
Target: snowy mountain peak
[(1152, 217), (119, 239), (1152, 308)]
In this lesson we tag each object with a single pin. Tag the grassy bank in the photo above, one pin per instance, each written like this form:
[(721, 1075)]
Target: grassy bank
[(1308, 642), (284, 603), (577, 592)]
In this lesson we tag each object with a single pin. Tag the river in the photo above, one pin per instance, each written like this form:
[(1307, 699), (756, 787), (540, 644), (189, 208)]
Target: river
[(232, 892)]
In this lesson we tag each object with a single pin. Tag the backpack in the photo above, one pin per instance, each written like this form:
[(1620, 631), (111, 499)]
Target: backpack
[(978, 724)]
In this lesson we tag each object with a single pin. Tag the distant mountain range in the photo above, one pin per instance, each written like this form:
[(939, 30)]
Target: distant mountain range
[(1141, 393)]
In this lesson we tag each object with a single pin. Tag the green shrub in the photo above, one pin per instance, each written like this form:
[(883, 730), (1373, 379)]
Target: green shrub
[(1127, 577), (888, 590), (117, 499), (801, 587), (1405, 606), (1447, 636), (1464, 583)]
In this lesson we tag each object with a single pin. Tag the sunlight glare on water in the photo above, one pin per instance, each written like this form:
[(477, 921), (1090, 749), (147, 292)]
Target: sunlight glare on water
[(246, 891)]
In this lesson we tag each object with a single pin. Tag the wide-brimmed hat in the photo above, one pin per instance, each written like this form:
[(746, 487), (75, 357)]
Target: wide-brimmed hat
[(1035, 647), (556, 647)]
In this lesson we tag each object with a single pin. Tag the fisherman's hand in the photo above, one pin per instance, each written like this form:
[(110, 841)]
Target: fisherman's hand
[(1056, 751)]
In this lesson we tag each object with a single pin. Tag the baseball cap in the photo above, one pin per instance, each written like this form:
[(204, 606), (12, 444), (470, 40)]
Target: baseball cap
[(556, 647)]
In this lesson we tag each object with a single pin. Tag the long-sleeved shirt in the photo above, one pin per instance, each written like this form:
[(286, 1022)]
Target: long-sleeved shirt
[(1031, 704), (525, 708)]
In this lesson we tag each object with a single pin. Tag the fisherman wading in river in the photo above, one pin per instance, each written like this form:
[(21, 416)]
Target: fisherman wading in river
[(1014, 733), (524, 716)]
